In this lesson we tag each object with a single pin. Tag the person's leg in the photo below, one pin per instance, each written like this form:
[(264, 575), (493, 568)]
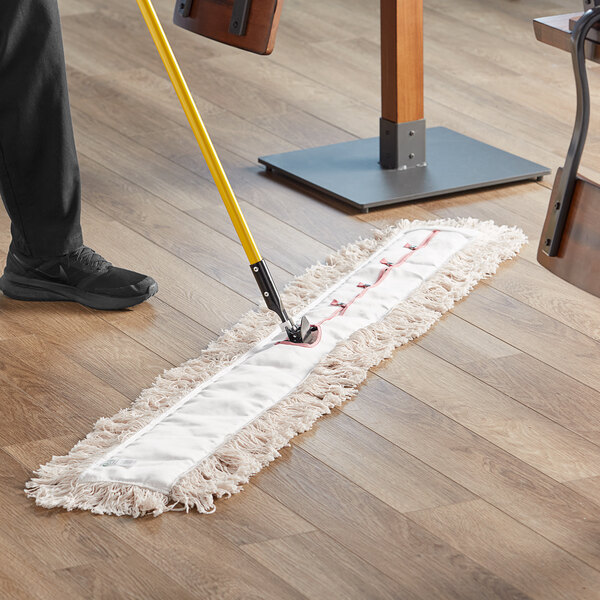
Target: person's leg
[(39, 172)]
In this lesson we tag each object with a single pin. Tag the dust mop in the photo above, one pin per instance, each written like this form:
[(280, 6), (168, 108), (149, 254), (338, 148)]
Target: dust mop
[(204, 428)]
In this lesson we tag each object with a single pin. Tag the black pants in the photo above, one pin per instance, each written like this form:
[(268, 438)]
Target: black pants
[(39, 172)]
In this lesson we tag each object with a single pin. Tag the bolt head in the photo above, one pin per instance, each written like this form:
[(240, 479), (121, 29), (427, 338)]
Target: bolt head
[(411, 155), (266, 294), (411, 133)]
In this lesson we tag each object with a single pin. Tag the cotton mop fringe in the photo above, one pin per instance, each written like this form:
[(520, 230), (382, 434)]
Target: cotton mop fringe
[(333, 381)]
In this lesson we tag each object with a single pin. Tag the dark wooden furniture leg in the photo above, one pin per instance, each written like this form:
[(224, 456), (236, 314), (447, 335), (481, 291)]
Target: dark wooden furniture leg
[(570, 242)]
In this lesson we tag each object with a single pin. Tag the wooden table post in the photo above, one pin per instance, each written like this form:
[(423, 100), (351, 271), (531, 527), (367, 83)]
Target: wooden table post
[(402, 127), (402, 60)]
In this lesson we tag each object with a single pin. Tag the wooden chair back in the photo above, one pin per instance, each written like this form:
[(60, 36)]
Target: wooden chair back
[(247, 24)]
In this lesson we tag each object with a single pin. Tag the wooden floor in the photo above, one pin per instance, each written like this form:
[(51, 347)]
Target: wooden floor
[(468, 466)]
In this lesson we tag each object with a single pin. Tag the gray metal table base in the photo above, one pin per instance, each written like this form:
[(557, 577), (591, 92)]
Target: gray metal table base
[(350, 171)]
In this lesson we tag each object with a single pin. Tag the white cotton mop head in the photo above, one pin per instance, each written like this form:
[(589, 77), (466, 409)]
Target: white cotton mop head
[(203, 429)]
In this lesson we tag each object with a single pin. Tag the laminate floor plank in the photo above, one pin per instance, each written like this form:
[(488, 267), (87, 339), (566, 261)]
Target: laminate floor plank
[(22, 579), (327, 222), (51, 540), (536, 287), (523, 432), (103, 350), (425, 566), (550, 508), (534, 333), (33, 453), (164, 330), (178, 145), (334, 571), (588, 487), (256, 519), (522, 557), (179, 231), (56, 382), (25, 418), (137, 577), (378, 466), (518, 375), (207, 564)]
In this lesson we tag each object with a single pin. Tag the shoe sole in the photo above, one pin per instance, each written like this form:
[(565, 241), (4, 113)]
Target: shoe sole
[(22, 288)]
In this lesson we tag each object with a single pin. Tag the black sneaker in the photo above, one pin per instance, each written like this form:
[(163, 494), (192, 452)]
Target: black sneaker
[(79, 276)]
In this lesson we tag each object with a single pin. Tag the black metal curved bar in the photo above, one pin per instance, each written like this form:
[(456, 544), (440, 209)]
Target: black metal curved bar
[(558, 216)]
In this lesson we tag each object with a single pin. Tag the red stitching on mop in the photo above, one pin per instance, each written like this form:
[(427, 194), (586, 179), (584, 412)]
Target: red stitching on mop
[(331, 316), (427, 239), (334, 302), (342, 307), (386, 271), (382, 275)]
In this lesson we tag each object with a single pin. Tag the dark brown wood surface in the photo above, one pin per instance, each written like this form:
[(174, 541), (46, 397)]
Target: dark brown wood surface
[(556, 31), (578, 258), (594, 32), (211, 19), (467, 467)]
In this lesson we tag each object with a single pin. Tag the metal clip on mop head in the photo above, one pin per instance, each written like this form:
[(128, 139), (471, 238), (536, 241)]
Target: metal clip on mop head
[(298, 334)]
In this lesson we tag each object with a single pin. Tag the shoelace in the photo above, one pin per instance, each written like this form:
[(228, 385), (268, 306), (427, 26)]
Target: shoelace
[(87, 256)]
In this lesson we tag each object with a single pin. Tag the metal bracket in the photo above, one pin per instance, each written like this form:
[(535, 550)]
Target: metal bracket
[(590, 4), (557, 218), (239, 17), (184, 7), (402, 145)]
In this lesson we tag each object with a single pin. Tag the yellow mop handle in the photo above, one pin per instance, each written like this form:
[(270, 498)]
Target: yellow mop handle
[(202, 137)]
